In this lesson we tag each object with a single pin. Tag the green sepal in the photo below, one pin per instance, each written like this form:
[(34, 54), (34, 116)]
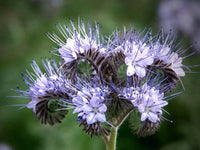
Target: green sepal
[(142, 128), (135, 121)]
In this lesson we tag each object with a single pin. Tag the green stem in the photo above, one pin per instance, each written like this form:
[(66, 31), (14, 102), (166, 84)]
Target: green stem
[(111, 145)]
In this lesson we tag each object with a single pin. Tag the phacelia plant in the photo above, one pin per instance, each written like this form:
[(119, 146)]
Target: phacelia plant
[(106, 79)]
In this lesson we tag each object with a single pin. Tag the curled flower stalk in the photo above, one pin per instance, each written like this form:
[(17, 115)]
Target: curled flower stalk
[(106, 80)]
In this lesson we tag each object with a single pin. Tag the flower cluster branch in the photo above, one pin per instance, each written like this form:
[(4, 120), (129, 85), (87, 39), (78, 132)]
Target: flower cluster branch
[(105, 79)]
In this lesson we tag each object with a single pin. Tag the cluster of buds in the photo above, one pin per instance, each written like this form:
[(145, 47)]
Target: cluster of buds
[(105, 79)]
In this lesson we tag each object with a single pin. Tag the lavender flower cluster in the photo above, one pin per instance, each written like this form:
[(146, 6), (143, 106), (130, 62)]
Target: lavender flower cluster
[(130, 73)]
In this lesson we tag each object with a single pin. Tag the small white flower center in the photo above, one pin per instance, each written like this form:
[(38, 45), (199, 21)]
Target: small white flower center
[(95, 110), (147, 109)]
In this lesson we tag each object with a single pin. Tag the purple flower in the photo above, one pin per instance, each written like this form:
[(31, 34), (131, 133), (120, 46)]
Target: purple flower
[(46, 84), (92, 79), (78, 40), (75, 47), (90, 105), (38, 90), (44, 90), (176, 64), (138, 57), (150, 102), (169, 58)]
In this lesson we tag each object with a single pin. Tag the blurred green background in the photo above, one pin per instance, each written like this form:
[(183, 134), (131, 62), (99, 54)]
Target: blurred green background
[(22, 38)]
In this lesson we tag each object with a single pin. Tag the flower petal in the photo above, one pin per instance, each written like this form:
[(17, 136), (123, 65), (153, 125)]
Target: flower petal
[(102, 108), (100, 117), (144, 116), (130, 70), (90, 118), (153, 117)]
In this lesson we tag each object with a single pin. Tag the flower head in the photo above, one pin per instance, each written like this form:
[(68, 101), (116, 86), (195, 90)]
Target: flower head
[(90, 105), (147, 96), (78, 40), (80, 44), (45, 91), (138, 54), (138, 57), (150, 102), (103, 92), (169, 58)]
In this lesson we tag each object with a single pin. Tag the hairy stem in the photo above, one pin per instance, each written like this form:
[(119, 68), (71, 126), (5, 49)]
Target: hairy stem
[(111, 145)]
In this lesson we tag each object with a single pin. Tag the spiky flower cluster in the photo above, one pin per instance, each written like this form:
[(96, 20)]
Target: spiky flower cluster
[(105, 79)]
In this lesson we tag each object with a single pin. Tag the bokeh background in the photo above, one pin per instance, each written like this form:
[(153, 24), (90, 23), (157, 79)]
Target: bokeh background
[(23, 24)]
